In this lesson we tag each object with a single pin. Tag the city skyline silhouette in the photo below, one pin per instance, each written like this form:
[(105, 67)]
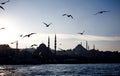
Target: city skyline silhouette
[(23, 17)]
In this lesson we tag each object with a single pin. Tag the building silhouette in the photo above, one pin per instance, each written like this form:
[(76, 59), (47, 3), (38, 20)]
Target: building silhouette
[(86, 45), (94, 46), (17, 44), (55, 44), (48, 42), (43, 53)]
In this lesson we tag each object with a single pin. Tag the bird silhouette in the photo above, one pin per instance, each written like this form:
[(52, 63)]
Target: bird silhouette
[(33, 45), (28, 35), (101, 12), (2, 8), (5, 2), (81, 33), (68, 15), (13, 42), (47, 25), (2, 28)]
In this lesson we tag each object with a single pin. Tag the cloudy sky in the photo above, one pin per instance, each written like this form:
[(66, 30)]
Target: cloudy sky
[(26, 16)]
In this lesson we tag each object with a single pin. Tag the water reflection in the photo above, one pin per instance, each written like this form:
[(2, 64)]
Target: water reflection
[(60, 70)]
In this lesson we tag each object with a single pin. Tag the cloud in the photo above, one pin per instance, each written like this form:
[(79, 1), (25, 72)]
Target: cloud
[(44, 36), (88, 37)]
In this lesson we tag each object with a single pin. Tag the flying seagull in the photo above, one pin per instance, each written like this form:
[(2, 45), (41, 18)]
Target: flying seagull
[(68, 15), (28, 35), (47, 25), (2, 8), (101, 12), (5, 2), (2, 28), (13, 42), (81, 33), (33, 45)]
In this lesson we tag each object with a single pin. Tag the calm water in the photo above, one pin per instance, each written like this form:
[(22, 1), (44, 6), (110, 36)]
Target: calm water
[(61, 70)]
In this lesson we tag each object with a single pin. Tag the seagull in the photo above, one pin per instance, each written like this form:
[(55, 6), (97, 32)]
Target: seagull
[(81, 33), (13, 42), (2, 8), (5, 2), (33, 45), (28, 35), (101, 12), (2, 28), (47, 25), (68, 15)]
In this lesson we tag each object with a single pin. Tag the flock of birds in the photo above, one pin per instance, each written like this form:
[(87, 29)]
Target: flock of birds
[(46, 24)]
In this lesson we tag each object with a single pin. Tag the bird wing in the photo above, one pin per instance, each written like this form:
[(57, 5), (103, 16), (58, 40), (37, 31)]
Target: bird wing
[(11, 43), (32, 33), (45, 23), (71, 16), (50, 23), (21, 35), (25, 36), (64, 14), (2, 28), (100, 12), (33, 45), (2, 7), (97, 13), (105, 11), (5, 2)]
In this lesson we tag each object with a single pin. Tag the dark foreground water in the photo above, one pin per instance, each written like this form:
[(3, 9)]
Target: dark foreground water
[(61, 70)]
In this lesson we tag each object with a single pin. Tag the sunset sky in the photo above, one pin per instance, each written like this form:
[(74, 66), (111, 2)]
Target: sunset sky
[(26, 16)]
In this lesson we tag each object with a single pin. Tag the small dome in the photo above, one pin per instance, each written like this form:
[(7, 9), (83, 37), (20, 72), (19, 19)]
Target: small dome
[(42, 45)]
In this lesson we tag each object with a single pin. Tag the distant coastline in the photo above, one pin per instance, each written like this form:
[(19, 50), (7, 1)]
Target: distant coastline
[(44, 55)]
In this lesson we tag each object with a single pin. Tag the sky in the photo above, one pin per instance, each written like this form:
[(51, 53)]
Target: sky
[(27, 16)]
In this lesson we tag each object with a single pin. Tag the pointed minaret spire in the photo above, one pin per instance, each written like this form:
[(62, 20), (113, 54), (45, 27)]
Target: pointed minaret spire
[(48, 42), (17, 44), (55, 44), (86, 45), (94, 46)]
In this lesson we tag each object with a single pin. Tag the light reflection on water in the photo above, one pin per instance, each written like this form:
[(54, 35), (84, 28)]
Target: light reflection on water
[(61, 70)]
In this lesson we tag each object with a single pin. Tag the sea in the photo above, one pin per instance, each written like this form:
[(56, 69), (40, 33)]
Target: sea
[(61, 70)]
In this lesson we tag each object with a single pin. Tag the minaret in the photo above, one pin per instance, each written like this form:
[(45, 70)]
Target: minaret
[(81, 43), (48, 42), (17, 44), (94, 46), (86, 45), (55, 44)]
